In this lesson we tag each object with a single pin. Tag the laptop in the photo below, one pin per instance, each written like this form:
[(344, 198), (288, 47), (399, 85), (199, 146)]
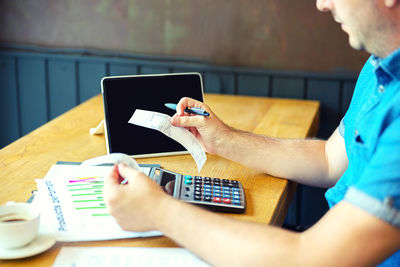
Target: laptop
[(122, 95)]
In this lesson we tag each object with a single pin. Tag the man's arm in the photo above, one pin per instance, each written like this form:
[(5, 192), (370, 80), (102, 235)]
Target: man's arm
[(313, 162), (345, 236)]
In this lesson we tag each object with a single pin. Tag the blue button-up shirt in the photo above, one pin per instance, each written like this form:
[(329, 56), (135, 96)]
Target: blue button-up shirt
[(371, 131)]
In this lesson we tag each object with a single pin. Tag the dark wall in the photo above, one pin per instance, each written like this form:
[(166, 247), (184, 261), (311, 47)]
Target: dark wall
[(273, 34)]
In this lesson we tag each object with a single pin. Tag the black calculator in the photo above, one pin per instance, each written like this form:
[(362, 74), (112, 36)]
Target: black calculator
[(215, 194)]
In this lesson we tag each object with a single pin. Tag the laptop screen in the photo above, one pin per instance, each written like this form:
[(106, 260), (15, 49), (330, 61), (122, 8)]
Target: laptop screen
[(122, 95)]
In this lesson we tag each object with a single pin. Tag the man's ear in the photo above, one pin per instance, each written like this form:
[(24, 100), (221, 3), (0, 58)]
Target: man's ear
[(391, 3)]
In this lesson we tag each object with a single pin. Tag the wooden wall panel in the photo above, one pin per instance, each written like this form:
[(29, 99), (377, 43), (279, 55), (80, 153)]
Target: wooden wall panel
[(288, 87), (9, 103), (181, 69), (328, 93), (153, 69), (116, 69), (63, 91), (212, 83), (220, 83), (49, 84), (228, 83), (90, 75), (253, 85), (33, 93), (347, 93)]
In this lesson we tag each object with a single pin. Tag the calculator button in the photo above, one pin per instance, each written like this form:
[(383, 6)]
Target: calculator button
[(188, 179), (216, 181), (217, 188), (197, 192), (216, 194), (187, 188), (197, 188), (236, 201), (227, 200), (197, 197), (226, 195), (207, 198), (207, 182), (207, 179), (187, 195), (217, 199), (207, 192), (235, 183)]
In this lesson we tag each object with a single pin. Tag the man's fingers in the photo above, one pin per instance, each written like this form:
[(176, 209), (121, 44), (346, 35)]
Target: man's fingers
[(126, 172), (113, 178), (188, 121), (184, 103), (111, 184), (190, 103)]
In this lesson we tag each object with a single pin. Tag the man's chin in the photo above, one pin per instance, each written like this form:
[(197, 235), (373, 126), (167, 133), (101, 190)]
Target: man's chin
[(356, 45)]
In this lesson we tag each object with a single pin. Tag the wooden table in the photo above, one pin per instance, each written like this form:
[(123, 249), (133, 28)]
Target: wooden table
[(67, 138)]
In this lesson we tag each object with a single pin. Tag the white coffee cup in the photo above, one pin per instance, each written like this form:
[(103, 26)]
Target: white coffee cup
[(19, 224)]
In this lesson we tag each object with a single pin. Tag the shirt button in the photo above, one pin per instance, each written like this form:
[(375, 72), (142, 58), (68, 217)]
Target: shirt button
[(381, 88), (389, 201)]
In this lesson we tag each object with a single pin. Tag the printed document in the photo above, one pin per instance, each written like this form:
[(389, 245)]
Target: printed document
[(127, 256), (162, 122), (70, 199)]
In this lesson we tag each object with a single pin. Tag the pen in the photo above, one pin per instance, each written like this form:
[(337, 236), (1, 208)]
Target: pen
[(197, 111)]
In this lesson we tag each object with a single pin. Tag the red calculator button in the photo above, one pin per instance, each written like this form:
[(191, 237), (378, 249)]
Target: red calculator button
[(227, 200), (217, 199)]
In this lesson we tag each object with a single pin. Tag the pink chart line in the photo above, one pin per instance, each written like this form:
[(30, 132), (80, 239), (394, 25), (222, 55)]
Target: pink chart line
[(82, 180)]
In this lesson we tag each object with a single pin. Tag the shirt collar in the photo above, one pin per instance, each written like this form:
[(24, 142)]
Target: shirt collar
[(390, 64)]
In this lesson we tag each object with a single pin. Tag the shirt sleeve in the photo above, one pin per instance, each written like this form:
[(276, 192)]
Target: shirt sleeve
[(378, 190)]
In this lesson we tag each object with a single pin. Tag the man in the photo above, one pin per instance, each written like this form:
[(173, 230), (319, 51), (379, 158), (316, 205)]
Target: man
[(360, 163)]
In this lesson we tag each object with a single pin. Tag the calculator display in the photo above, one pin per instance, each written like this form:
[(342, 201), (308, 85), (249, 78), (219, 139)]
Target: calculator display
[(167, 182)]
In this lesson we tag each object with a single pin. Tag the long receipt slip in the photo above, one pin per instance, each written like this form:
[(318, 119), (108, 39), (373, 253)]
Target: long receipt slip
[(162, 122)]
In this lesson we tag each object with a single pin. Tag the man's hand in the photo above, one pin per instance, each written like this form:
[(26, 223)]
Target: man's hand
[(210, 131), (134, 205)]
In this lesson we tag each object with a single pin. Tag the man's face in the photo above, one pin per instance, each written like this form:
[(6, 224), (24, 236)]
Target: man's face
[(358, 18)]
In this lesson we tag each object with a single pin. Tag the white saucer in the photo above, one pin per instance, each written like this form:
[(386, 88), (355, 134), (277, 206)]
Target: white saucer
[(41, 243)]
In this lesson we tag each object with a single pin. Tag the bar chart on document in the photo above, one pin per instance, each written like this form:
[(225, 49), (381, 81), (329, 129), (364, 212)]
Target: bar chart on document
[(72, 203), (87, 195)]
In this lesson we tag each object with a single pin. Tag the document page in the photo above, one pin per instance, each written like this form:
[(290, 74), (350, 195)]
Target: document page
[(162, 122), (70, 199), (126, 256)]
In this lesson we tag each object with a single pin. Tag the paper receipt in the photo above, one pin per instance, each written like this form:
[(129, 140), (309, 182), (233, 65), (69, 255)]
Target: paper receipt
[(162, 122)]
